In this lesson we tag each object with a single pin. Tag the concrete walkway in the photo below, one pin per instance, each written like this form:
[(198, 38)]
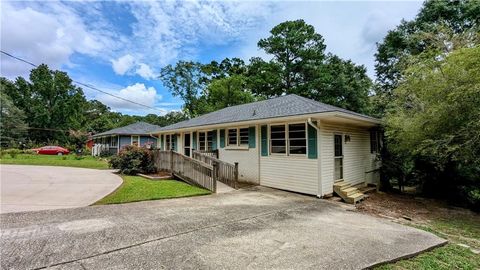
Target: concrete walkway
[(258, 228), (31, 188), (222, 188)]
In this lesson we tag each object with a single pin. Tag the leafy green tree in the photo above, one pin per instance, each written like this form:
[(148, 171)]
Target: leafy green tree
[(52, 104), (227, 67), (435, 120), (226, 92), (300, 66), (440, 25), (12, 121), (264, 78), (298, 51), (171, 118), (185, 81), (343, 84)]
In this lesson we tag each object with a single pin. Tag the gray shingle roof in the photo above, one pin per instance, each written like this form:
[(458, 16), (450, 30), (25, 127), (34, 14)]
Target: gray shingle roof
[(282, 106), (138, 128)]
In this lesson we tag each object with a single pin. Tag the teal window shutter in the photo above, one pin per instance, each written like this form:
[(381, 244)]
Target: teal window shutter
[(161, 142), (214, 140), (251, 137), (194, 137), (175, 144), (222, 138), (264, 137), (312, 142)]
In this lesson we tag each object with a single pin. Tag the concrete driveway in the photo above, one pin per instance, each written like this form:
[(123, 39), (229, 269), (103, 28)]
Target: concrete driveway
[(31, 188), (258, 228)]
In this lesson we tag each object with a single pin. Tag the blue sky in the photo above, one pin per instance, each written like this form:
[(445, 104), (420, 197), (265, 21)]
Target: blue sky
[(120, 46)]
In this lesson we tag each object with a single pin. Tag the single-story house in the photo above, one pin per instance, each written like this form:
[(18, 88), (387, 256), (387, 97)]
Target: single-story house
[(114, 140), (289, 142)]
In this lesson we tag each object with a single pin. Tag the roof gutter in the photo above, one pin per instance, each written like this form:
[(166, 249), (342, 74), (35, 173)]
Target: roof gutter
[(276, 119)]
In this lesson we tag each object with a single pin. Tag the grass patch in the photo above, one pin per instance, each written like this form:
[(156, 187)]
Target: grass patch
[(47, 160), (458, 226), (136, 188), (450, 256)]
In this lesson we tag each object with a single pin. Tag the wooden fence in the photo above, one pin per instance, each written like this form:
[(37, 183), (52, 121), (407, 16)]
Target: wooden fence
[(226, 173), (187, 168)]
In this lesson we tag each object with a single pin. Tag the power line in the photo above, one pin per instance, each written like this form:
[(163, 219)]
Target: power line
[(84, 84)]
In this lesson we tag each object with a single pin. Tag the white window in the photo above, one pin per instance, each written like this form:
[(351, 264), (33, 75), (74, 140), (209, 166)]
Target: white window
[(135, 140), (170, 142), (205, 140), (297, 139), (278, 141), (288, 139), (237, 137), (375, 141), (113, 141), (338, 158)]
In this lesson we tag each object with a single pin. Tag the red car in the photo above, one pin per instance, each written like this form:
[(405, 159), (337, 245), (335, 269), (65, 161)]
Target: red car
[(52, 150)]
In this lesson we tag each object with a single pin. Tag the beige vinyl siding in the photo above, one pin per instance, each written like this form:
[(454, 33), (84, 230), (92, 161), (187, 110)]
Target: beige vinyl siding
[(357, 159), (247, 158), (298, 174)]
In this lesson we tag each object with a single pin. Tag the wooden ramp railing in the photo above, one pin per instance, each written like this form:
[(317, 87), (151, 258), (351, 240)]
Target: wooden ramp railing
[(226, 173), (186, 168)]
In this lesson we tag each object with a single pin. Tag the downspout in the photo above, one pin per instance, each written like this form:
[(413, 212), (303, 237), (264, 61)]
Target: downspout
[(309, 121), (157, 139)]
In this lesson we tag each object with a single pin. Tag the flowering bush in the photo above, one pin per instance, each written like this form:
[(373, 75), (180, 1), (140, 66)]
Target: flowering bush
[(132, 160)]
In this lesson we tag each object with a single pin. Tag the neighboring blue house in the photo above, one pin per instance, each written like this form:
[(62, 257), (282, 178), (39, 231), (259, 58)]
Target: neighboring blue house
[(114, 140)]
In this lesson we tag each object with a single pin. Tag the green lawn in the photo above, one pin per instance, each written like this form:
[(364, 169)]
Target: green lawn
[(461, 229), (447, 257), (67, 160), (136, 188)]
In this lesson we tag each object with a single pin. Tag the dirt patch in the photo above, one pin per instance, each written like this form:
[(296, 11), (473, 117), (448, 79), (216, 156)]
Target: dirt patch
[(160, 174), (410, 208), (458, 225)]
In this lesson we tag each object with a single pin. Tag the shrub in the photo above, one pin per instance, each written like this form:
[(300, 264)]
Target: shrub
[(132, 160), (13, 152)]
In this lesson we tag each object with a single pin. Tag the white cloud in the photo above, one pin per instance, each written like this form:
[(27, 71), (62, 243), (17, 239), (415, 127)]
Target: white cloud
[(145, 71), (45, 36), (137, 92), (123, 64)]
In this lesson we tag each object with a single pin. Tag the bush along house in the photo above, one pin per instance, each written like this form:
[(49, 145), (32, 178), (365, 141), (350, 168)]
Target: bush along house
[(112, 141), (289, 142)]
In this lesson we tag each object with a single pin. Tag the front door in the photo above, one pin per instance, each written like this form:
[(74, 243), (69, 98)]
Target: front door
[(186, 144)]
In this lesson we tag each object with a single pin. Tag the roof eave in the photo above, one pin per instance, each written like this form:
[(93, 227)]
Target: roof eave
[(323, 115)]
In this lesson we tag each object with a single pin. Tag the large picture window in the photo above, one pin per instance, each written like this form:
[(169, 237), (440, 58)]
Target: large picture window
[(237, 137), (338, 159)]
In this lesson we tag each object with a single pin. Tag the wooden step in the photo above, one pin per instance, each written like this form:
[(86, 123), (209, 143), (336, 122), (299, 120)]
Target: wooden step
[(354, 198), (341, 184), (349, 191)]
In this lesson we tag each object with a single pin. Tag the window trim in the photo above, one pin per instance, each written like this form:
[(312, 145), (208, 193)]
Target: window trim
[(131, 139), (287, 139), (170, 146), (342, 157), (237, 145), (114, 139), (205, 131), (378, 145)]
